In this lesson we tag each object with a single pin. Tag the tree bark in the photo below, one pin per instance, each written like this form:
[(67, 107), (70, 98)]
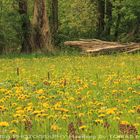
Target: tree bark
[(108, 18), (26, 27), (117, 26), (101, 16), (118, 21), (41, 35), (54, 19), (103, 47)]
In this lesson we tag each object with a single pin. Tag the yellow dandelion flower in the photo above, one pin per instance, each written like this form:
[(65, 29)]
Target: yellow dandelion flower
[(36, 112), (82, 127), (116, 119), (81, 114), (124, 122), (62, 110), (40, 91), (14, 121), (20, 112), (2, 108), (94, 83), (131, 111), (4, 124), (17, 115), (65, 117), (14, 104), (126, 101), (38, 115), (13, 131), (44, 115), (55, 127), (101, 116), (114, 91), (111, 111), (130, 88), (99, 121), (136, 125)]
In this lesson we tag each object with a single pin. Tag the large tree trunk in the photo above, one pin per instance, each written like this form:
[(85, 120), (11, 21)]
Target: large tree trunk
[(54, 19), (26, 27), (41, 35), (101, 16), (96, 46)]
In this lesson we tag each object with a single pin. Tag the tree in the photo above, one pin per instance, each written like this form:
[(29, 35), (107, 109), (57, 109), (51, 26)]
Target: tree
[(41, 32), (108, 23), (54, 19), (100, 17), (26, 27)]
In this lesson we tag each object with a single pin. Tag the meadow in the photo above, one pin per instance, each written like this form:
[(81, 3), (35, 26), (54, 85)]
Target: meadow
[(70, 97)]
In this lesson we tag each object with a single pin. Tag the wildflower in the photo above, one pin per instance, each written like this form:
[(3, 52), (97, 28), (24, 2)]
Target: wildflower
[(124, 122), (82, 127), (38, 115), (36, 112), (2, 108), (14, 104), (55, 127), (40, 91), (17, 115), (62, 110), (13, 131), (116, 118), (111, 111), (44, 115), (85, 86), (114, 91), (94, 83), (20, 111), (131, 111), (126, 101), (14, 121), (64, 117), (81, 114), (136, 125), (4, 124), (99, 121), (130, 88), (138, 109), (101, 116)]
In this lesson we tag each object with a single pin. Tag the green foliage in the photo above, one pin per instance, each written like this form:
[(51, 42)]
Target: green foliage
[(130, 19), (77, 19), (9, 25)]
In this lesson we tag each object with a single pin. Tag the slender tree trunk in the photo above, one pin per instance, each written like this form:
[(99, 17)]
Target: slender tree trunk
[(54, 19), (26, 27), (108, 18), (118, 21), (133, 34), (101, 16), (41, 35), (117, 26)]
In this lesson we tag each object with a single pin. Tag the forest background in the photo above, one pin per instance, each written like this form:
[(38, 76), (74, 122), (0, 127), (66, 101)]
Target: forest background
[(111, 20)]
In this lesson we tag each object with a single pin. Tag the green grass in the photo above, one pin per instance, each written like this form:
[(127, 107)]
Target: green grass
[(96, 95)]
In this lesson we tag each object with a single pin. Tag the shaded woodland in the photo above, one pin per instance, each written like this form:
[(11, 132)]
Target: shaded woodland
[(42, 26)]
